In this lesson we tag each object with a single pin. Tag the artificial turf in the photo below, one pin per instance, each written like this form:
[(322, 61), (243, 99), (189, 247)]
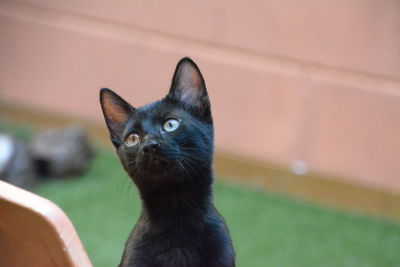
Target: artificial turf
[(267, 229)]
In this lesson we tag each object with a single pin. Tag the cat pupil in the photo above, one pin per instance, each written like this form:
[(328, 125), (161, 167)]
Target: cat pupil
[(171, 125)]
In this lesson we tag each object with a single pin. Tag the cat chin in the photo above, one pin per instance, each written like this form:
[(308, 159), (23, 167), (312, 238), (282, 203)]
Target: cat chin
[(157, 171), (153, 179), (156, 168)]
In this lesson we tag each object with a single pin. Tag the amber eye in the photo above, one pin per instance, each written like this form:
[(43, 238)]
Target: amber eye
[(132, 140), (171, 125)]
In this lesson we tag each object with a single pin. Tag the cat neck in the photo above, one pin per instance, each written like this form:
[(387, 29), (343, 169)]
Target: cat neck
[(188, 200)]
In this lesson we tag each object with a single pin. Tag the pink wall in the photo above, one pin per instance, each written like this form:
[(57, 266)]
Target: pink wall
[(289, 80)]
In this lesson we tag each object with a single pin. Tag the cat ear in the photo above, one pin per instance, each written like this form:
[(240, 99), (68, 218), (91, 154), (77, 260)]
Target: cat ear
[(116, 113), (188, 86)]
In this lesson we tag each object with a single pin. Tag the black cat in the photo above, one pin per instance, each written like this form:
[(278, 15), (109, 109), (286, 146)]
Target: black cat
[(167, 149)]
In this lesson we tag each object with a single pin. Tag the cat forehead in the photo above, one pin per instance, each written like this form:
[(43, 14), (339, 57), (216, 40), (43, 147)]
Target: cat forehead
[(148, 110), (157, 110)]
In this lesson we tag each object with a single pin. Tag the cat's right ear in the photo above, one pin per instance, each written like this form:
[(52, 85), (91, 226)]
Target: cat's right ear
[(116, 113)]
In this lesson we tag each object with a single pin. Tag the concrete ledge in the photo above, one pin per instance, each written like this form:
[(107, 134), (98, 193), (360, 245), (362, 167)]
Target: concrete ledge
[(316, 187)]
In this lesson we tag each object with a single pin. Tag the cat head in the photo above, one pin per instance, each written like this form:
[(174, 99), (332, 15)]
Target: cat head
[(170, 140)]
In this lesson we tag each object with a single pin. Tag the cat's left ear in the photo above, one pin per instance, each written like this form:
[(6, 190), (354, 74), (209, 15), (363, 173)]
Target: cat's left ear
[(116, 114), (188, 87)]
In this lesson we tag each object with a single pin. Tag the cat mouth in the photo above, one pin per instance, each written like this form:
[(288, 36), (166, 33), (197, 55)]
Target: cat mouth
[(156, 161), (153, 162)]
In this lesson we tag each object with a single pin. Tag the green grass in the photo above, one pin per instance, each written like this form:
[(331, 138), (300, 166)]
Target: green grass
[(267, 229)]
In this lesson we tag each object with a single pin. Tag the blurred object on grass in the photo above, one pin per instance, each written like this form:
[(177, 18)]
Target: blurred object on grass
[(16, 164), (51, 153), (60, 152)]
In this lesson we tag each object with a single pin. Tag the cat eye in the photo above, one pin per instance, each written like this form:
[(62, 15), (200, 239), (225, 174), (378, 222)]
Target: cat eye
[(171, 125), (132, 140)]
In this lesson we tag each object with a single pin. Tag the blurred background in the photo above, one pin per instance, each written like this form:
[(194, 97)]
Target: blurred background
[(305, 98)]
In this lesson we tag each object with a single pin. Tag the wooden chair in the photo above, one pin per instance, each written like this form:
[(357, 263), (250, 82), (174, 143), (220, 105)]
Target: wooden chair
[(36, 232)]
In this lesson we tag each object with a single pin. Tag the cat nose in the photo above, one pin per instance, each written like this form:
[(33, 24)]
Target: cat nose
[(150, 147)]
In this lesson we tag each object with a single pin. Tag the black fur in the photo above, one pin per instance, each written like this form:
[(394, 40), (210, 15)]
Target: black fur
[(178, 225)]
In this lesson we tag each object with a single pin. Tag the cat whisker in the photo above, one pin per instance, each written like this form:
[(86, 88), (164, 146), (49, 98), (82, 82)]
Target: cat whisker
[(193, 157), (192, 165), (191, 148)]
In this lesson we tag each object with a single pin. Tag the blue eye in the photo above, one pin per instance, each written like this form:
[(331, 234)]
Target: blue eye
[(171, 125)]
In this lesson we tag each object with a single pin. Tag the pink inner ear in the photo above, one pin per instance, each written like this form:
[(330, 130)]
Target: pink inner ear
[(114, 112), (189, 96), (190, 86)]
